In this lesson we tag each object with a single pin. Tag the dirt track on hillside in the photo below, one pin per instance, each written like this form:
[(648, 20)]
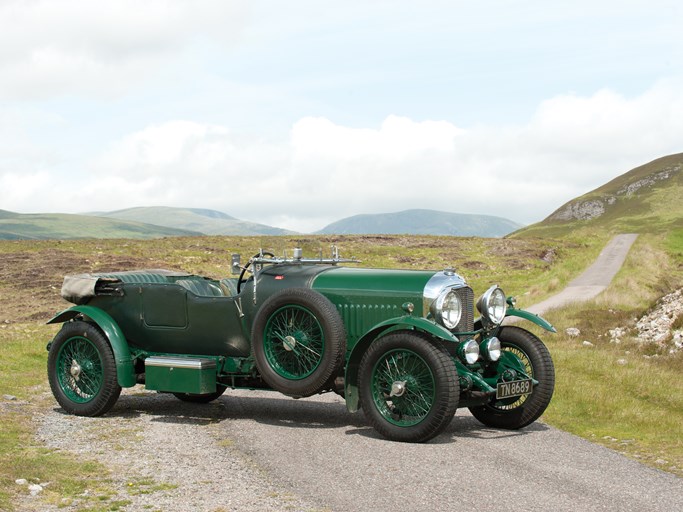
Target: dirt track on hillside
[(594, 279)]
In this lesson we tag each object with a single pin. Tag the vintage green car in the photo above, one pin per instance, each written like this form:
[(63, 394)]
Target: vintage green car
[(404, 346)]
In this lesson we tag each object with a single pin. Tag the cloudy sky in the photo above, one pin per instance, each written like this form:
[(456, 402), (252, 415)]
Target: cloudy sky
[(299, 113)]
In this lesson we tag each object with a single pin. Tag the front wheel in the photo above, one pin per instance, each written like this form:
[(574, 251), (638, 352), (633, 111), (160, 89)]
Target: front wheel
[(82, 370), (408, 387), (534, 357)]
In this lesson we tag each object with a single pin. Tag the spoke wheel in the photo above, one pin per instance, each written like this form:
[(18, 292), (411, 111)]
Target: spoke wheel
[(526, 351), (79, 369), (298, 341), (82, 370), (408, 387), (294, 342)]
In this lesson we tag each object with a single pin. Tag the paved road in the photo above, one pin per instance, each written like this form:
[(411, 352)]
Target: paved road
[(595, 279), (331, 457), (325, 455)]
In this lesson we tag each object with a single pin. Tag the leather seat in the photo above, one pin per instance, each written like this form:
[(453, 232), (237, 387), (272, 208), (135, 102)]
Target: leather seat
[(201, 287)]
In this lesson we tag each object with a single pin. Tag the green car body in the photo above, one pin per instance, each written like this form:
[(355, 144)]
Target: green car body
[(404, 346)]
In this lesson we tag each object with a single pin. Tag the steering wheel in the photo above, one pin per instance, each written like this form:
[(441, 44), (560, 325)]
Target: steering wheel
[(241, 279)]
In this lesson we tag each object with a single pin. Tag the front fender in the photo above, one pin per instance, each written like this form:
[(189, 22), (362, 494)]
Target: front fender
[(399, 323), (125, 371), (532, 317)]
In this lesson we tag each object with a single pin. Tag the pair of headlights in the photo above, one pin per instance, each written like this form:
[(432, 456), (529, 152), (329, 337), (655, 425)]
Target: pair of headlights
[(492, 306), (489, 349)]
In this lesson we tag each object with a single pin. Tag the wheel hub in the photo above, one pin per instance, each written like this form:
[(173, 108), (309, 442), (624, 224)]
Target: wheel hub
[(288, 343), (398, 388), (75, 369)]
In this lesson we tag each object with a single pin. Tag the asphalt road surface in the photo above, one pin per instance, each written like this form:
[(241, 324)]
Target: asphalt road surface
[(594, 279), (328, 456)]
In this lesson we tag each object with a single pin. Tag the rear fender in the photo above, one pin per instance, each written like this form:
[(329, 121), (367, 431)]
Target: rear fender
[(125, 371), (409, 323)]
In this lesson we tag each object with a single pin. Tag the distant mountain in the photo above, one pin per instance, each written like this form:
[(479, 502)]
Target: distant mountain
[(208, 222), (42, 226), (648, 198), (422, 222)]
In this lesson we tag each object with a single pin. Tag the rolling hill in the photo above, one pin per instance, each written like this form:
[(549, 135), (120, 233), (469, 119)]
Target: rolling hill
[(208, 222), (648, 198), (422, 222), (43, 226), (644, 199)]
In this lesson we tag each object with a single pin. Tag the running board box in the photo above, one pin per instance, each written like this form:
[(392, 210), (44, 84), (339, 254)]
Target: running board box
[(180, 374)]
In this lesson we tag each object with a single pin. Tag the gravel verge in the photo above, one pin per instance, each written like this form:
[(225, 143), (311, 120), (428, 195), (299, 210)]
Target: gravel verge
[(175, 448)]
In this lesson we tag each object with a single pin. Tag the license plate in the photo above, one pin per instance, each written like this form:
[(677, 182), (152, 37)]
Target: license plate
[(514, 388)]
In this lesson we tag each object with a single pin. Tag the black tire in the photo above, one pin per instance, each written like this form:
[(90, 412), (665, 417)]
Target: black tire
[(200, 399), (82, 371), (298, 341), (408, 387), (512, 414)]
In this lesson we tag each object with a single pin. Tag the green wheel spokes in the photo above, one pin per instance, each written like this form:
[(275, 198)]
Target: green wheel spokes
[(294, 342), (403, 387), (79, 369)]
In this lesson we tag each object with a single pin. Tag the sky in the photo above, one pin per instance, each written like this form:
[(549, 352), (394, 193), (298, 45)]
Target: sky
[(297, 114)]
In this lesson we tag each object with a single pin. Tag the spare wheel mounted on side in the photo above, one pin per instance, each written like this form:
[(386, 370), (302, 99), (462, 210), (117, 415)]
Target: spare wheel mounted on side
[(298, 341)]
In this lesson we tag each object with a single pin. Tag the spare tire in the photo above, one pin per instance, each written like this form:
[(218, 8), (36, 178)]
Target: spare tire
[(298, 341)]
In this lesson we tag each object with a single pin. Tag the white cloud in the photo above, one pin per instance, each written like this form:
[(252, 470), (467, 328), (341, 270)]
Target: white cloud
[(325, 171), (99, 47), (396, 139)]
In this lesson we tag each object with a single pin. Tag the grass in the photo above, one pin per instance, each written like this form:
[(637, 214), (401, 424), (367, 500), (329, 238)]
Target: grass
[(653, 207), (60, 225), (68, 481), (617, 394), (23, 361), (610, 394)]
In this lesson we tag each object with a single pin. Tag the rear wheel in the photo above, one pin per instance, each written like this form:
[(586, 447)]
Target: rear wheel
[(408, 387), (82, 370), (534, 357)]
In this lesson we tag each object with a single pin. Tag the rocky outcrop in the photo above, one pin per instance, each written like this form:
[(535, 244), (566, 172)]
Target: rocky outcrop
[(595, 207), (648, 181), (585, 210), (659, 326)]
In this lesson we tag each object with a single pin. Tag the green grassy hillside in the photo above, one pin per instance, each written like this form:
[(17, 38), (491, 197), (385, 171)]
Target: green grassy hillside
[(647, 199), (208, 222), (56, 226), (422, 222)]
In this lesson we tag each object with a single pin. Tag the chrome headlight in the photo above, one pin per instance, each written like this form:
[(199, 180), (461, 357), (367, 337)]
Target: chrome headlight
[(469, 351), (493, 305), (447, 309), (490, 348)]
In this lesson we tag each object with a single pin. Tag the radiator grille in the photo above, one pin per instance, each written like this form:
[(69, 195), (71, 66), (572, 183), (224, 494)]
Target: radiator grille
[(466, 296)]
